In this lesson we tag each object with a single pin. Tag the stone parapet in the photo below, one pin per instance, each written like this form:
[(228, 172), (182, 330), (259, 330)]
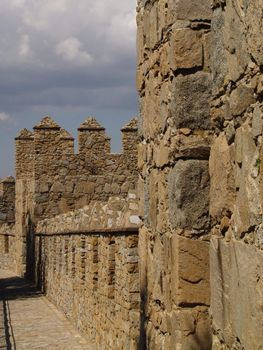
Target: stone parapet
[(86, 262), (7, 201), (7, 246)]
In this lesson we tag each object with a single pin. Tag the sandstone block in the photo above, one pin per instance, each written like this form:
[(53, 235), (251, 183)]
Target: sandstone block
[(161, 154), (194, 328), (164, 60), (188, 184), (253, 31), (240, 99), (221, 168), (248, 208), (190, 279), (234, 278), (185, 49), (257, 122), (190, 106), (194, 147)]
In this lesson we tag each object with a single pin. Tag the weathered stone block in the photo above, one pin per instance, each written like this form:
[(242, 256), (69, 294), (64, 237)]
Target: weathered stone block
[(185, 49), (164, 60), (189, 194), (190, 105), (218, 54), (221, 168), (257, 122), (190, 279), (240, 99), (248, 208), (236, 291), (155, 105), (193, 9), (194, 328), (193, 147)]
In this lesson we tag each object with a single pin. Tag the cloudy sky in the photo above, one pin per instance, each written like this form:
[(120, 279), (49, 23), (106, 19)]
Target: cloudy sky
[(68, 59)]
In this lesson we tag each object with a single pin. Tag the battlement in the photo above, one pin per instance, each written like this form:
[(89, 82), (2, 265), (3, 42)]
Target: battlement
[(48, 143), (64, 180)]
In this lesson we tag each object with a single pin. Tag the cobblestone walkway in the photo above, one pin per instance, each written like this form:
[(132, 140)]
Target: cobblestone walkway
[(28, 321)]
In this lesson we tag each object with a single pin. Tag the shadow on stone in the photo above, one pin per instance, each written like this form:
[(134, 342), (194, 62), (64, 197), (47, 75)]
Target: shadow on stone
[(17, 288)]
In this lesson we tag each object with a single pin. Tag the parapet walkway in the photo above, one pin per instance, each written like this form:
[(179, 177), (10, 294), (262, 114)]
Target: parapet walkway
[(28, 321)]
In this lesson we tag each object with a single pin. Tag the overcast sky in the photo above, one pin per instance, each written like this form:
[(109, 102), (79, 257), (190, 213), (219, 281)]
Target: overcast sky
[(68, 59)]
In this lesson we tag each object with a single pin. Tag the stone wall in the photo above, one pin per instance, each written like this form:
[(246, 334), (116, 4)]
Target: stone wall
[(7, 220), (51, 179), (66, 181), (236, 175), (174, 84), (7, 201), (7, 246), (87, 264)]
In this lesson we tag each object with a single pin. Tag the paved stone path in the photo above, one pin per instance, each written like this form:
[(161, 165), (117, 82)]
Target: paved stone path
[(28, 321)]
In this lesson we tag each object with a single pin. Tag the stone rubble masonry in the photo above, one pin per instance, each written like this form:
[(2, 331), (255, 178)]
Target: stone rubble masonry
[(7, 200), (86, 261), (7, 246), (7, 221), (51, 179), (236, 175), (65, 181), (174, 84)]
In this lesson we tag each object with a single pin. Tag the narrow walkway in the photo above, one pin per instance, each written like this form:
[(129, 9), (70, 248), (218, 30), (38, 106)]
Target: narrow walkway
[(28, 321)]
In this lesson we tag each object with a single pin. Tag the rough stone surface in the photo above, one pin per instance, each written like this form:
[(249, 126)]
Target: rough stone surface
[(190, 106), (193, 10), (188, 194), (191, 280), (222, 190), (233, 278), (236, 176), (186, 49), (174, 84)]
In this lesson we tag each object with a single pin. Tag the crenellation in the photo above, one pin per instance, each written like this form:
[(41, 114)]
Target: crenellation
[(65, 181), (47, 148), (24, 158), (93, 141)]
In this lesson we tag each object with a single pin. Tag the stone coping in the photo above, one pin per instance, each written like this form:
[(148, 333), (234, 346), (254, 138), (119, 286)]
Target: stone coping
[(115, 215)]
